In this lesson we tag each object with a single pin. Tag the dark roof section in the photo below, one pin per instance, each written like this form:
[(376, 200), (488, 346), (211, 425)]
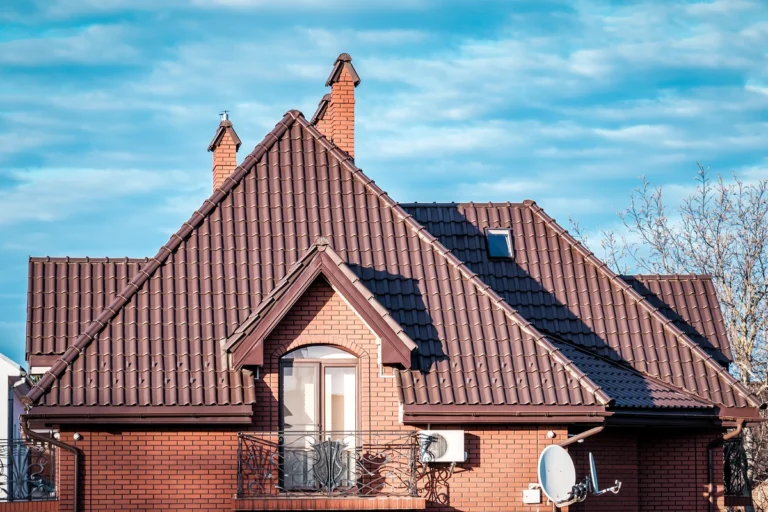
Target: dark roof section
[(247, 342), (562, 288), (628, 387), (341, 61), (296, 186), (224, 127), (65, 294), (690, 301), (322, 107)]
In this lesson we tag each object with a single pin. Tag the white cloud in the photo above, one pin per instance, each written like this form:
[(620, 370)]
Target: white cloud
[(53, 194), (96, 44)]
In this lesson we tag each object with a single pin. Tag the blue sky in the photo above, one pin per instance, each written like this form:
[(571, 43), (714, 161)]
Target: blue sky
[(107, 106)]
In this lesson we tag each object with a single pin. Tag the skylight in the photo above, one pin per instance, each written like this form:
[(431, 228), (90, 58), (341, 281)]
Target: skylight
[(499, 243)]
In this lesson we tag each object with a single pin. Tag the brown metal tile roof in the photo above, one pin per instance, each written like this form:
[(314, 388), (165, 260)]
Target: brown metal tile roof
[(561, 287), (628, 387), (158, 341), (690, 301), (65, 294), (482, 327)]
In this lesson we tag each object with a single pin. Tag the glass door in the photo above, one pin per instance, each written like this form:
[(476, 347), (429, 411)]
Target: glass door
[(318, 396)]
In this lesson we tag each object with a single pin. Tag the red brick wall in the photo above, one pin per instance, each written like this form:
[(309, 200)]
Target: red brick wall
[(27, 506), (177, 470), (659, 471), (673, 472)]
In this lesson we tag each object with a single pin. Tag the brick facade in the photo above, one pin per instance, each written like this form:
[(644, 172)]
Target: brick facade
[(176, 469), (660, 471)]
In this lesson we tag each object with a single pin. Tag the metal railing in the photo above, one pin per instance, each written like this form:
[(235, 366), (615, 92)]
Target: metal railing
[(360, 463), (27, 470)]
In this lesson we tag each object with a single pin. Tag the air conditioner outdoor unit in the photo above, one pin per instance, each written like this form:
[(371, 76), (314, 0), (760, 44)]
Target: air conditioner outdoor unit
[(442, 446)]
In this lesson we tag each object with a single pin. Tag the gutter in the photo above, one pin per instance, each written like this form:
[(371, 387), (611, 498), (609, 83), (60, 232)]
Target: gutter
[(711, 464), (55, 442)]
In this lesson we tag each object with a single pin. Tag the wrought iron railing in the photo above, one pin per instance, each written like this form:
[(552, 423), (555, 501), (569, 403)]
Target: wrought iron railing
[(27, 470), (363, 463)]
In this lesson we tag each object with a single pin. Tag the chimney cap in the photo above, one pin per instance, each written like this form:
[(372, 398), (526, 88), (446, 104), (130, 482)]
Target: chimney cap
[(342, 61), (321, 108), (225, 126)]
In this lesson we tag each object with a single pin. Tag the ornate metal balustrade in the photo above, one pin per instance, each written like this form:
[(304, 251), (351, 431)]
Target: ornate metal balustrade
[(738, 490), (27, 470), (329, 463)]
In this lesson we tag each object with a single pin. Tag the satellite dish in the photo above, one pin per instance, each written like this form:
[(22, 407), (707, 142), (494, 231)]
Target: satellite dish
[(557, 478), (593, 474), (557, 474)]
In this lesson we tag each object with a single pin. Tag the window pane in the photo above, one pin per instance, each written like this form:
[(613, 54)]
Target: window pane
[(300, 383), (318, 352), (499, 245), (340, 399)]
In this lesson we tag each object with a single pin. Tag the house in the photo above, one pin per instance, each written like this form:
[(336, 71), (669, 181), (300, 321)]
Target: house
[(283, 350)]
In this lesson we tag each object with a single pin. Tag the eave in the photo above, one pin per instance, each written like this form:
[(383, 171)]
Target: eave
[(144, 415)]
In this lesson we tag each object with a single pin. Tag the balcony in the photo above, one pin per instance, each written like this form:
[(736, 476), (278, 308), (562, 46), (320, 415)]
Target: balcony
[(325, 470), (27, 471)]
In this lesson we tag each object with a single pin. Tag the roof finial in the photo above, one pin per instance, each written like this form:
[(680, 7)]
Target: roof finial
[(225, 115)]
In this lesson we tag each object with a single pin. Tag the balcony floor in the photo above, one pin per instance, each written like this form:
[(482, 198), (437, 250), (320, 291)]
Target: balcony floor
[(326, 503)]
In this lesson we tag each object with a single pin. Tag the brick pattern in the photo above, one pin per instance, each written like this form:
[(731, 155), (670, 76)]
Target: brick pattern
[(339, 122), (30, 506), (663, 471), (224, 159)]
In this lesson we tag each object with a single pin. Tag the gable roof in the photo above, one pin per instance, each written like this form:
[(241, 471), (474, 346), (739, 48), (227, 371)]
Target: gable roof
[(484, 329), (251, 231), (247, 342), (561, 287), (690, 301)]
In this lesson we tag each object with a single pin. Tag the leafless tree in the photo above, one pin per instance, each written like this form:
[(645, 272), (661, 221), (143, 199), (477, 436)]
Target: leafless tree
[(720, 229)]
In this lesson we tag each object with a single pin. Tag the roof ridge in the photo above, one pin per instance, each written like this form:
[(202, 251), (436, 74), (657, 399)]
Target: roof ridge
[(680, 277), (421, 231), (459, 203), (666, 322), (86, 259), (98, 324)]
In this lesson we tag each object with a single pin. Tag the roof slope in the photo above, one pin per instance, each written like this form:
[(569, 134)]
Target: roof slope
[(562, 288), (690, 301), (65, 294), (158, 341)]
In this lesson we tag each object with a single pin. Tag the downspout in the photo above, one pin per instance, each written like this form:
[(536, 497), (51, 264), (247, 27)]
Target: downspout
[(711, 460), (55, 442)]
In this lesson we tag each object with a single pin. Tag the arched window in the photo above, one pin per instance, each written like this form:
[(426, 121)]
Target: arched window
[(318, 390)]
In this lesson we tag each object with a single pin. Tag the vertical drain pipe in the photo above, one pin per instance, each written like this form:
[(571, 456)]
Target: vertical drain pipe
[(55, 442), (711, 461)]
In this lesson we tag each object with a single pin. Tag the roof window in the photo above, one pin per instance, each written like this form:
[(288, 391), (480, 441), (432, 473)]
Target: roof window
[(499, 243)]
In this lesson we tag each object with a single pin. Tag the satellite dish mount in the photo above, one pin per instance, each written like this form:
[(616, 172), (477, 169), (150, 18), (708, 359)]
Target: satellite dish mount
[(557, 477)]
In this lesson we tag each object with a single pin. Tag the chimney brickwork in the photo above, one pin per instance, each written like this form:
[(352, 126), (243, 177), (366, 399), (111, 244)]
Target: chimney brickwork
[(335, 116), (224, 147)]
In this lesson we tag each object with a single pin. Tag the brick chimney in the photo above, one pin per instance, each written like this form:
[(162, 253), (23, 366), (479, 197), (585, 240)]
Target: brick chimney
[(224, 147), (335, 116)]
